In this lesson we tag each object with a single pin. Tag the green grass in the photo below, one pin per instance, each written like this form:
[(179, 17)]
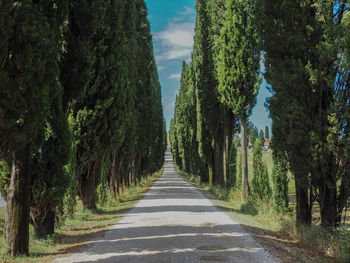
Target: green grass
[(78, 231)]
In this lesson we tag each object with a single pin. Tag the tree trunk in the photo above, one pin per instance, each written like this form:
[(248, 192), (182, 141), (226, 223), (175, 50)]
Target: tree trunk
[(303, 204), (245, 183), (87, 189), (44, 223), (210, 173), (18, 198), (328, 205)]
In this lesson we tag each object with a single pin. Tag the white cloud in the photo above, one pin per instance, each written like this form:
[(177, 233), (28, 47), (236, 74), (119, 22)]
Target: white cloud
[(187, 11), (176, 76), (176, 41), (177, 35), (175, 54), (178, 19), (160, 68)]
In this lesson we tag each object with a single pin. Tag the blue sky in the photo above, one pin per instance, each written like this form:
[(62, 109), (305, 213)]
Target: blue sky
[(172, 26)]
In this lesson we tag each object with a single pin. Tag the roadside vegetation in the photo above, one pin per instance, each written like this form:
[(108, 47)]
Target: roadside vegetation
[(80, 110), (299, 51), (78, 230), (276, 230)]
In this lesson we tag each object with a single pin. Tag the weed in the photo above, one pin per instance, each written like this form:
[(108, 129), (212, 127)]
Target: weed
[(50, 240)]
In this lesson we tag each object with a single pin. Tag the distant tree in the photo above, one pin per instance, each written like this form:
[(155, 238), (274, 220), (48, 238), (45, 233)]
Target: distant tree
[(209, 125), (260, 184), (239, 171), (238, 68), (232, 174), (280, 182), (267, 134), (262, 137)]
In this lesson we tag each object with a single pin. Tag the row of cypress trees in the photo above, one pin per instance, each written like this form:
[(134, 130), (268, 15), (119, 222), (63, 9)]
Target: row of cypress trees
[(80, 107), (218, 88), (309, 78)]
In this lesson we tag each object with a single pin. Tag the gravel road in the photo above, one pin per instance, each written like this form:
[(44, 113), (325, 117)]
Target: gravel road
[(174, 222)]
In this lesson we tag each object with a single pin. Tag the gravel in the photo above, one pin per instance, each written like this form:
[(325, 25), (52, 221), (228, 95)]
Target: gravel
[(174, 222)]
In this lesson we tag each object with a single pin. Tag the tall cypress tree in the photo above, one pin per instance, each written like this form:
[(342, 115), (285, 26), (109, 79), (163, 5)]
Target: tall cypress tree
[(100, 115), (209, 110), (49, 181), (260, 184), (267, 133), (302, 73), (239, 67), (27, 75), (280, 182)]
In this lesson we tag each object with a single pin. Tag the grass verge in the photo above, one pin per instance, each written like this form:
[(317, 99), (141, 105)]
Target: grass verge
[(277, 232), (78, 231)]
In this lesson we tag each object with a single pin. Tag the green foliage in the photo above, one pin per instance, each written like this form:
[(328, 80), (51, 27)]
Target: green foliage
[(4, 171), (232, 179), (307, 76), (267, 133), (261, 183), (262, 137), (239, 57), (280, 183), (205, 84), (28, 70), (239, 171), (67, 207)]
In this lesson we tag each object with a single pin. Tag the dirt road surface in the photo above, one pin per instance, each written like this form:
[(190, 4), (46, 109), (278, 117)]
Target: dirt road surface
[(174, 222)]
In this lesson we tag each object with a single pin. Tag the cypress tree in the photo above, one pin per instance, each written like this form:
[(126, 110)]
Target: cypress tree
[(28, 72), (101, 114), (239, 68), (260, 184), (149, 122), (197, 164), (280, 182), (209, 110), (267, 134), (49, 181), (239, 171), (262, 137), (232, 174), (182, 117), (306, 67)]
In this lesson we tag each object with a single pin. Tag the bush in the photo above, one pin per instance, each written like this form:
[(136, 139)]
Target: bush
[(249, 208)]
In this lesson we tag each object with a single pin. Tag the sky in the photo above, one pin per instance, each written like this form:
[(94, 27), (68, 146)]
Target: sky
[(172, 26)]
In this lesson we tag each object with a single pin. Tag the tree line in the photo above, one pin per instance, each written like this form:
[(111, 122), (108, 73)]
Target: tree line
[(301, 48), (80, 108)]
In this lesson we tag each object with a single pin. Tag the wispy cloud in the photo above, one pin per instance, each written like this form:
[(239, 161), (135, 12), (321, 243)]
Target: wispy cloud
[(160, 68), (187, 11), (178, 19), (176, 41), (175, 54), (176, 76)]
